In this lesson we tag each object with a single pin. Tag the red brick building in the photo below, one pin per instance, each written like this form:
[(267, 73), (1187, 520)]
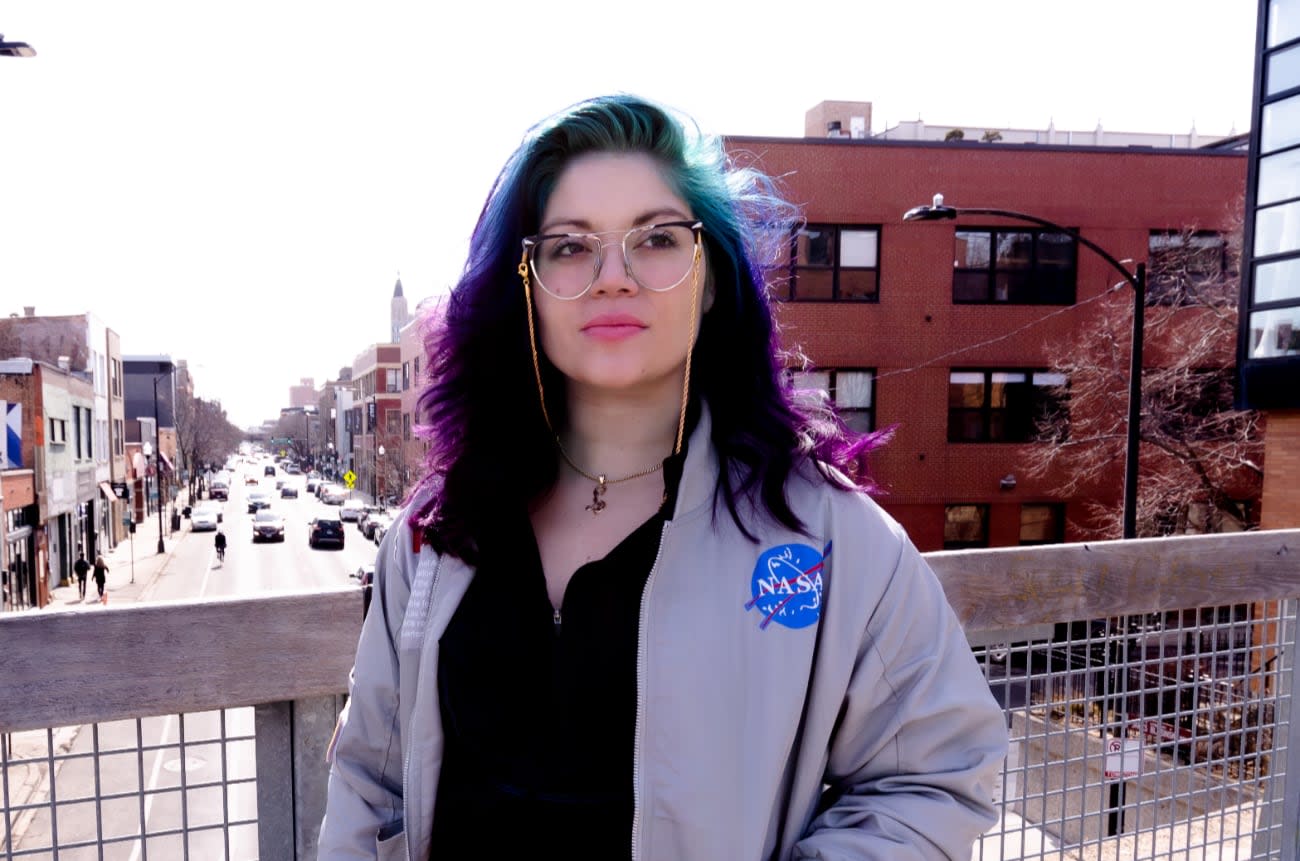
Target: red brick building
[(889, 311)]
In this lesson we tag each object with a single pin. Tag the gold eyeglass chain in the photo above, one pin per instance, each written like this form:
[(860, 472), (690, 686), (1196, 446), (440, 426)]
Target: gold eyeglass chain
[(598, 504)]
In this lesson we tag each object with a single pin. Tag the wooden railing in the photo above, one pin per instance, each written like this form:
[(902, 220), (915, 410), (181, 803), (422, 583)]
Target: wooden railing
[(289, 654)]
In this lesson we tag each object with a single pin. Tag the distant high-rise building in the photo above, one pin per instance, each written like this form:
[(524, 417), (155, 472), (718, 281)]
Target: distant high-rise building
[(400, 314), (303, 394)]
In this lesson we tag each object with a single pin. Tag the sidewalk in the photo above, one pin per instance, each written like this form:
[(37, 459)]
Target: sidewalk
[(148, 565), (28, 752)]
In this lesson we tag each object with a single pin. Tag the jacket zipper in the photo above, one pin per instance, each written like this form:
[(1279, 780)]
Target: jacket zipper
[(640, 694), (406, 757), (555, 619)]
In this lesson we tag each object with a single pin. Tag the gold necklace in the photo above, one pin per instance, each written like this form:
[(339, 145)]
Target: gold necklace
[(602, 481)]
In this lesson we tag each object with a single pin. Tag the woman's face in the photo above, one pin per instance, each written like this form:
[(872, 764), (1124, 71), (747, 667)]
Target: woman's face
[(618, 337)]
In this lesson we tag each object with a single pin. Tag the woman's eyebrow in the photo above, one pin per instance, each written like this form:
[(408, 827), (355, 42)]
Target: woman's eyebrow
[(584, 226)]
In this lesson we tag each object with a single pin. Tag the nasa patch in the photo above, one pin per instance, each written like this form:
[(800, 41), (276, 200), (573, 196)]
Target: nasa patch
[(787, 585)]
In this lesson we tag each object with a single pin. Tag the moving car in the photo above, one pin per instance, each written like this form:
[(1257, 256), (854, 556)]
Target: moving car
[(352, 509), (268, 526), (365, 577), (205, 518), (269, 469), (219, 489), (257, 500), (334, 495), (325, 529), (288, 492), (372, 522)]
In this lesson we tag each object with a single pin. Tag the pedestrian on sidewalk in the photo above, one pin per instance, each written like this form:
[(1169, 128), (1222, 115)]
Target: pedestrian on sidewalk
[(82, 568), (101, 574)]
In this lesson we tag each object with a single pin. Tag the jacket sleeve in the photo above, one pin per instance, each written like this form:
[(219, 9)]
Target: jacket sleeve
[(913, 757), (364, 803)]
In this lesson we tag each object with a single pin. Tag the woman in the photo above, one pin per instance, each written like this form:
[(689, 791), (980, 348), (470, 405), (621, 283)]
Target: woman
[(101, 575), (637, 609)]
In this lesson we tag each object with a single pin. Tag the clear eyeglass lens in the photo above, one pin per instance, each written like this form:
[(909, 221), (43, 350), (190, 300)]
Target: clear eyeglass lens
[(658, 258)]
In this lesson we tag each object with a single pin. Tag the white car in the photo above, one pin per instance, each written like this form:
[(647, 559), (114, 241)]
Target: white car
[(205, 519), (334, 495), (352, 509)]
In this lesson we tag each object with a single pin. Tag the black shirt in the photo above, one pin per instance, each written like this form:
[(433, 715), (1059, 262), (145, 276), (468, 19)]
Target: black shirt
[(539, 712)]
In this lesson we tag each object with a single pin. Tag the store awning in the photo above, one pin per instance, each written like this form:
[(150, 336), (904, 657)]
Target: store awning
[(107, 490), (167, 464)]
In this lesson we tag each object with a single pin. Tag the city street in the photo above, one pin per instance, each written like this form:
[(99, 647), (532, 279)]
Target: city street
[(214, 750)]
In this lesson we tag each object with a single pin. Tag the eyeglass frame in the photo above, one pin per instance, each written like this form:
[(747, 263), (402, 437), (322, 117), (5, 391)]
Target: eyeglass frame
[(532, 242)]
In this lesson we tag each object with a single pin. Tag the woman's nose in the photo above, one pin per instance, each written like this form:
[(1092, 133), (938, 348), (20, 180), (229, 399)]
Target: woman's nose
[(613, 275)]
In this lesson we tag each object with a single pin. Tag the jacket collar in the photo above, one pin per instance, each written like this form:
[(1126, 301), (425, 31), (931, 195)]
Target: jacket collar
[(700, 475)]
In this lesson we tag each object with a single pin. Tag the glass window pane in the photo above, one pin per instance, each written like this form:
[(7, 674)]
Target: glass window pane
[(858, 284), (1275, 333), (1281, 125), (1279, 177), (966, 390), (858, 421), (1283, 71), (972, 250), (816, 247), (1040, 524), (1049, 378), (1283, 21), (813, 380), (853, 388), (970, 286), (1055, 250), (1277, 281), (1018, 287), (813, 284), (965, 425), (1277, 229), (858, 248), (1015, 250), (965, 526)]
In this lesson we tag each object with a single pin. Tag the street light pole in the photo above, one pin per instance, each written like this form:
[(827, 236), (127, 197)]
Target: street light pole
[(1136, 279), (157, 459)]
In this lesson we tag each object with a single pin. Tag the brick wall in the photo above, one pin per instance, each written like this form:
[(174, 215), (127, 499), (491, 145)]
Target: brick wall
[(1113, 197), (1281, 502)]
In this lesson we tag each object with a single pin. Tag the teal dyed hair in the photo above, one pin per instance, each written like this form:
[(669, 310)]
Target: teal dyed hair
[(481, 400)]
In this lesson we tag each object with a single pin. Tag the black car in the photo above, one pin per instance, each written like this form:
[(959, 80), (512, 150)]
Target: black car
[(288, 492), (268, 470), (325, 530)]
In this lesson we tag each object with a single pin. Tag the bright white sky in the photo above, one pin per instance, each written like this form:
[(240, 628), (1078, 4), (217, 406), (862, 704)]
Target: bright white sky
[(238, 184)]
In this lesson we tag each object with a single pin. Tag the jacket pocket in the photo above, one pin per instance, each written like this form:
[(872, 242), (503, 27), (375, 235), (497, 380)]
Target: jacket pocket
[(390, 842)]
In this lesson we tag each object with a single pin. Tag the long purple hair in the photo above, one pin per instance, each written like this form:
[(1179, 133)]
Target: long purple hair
[(489, 445)]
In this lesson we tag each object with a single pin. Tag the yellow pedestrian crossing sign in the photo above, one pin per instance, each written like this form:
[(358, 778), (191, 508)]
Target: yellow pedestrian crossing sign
[(349, 478)]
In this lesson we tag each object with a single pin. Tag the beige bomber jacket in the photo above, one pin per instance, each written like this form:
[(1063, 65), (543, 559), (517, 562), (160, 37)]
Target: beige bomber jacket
[(808, 697)]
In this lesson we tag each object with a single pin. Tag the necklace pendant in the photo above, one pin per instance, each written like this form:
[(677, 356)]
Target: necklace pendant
[(597, 504)]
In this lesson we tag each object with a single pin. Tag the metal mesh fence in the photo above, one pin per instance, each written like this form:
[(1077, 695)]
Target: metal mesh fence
[(1146, 737), (172, 787)]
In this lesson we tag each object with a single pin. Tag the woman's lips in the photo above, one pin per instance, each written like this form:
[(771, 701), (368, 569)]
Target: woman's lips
[(613, 327)]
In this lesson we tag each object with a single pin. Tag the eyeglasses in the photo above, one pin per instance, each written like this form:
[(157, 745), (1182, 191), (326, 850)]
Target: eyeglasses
[(657, 257)]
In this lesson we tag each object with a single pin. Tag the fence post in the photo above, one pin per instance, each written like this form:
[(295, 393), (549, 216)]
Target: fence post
[(292, 774)]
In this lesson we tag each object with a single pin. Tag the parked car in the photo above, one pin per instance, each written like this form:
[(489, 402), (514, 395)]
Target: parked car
[(365, 577), (352, 509), (205, 518), (288, 492), (325, 529), (268, 526), (366, 513), (334, 495), (269, 469), (377, 525), (257, 500)]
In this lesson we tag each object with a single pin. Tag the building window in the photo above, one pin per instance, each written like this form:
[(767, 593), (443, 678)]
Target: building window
[(406, 425), (850, 390), (391, 422), (1002, 405), (965, 526), (832, 263), (1015, 267), (1189, 269), (406, 375), (119, 433), (390, 380), (117, 378), (417, 370), (1042, 523), (58, 431)]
